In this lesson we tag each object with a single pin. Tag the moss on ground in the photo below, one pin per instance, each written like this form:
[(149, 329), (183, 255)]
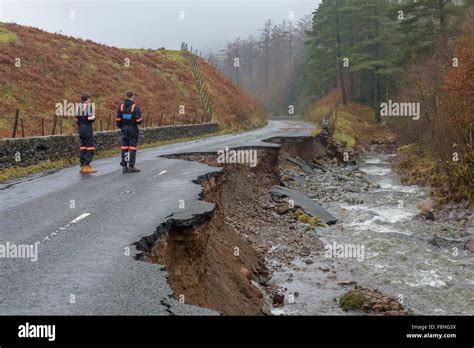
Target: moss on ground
[(346, 124), (304, 218), (353, 124), (352, 301), (416, 166)]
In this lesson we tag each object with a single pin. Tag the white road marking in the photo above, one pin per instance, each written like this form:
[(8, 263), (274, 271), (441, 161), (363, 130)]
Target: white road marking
[(65, 227), (156, 175), (79, 218)]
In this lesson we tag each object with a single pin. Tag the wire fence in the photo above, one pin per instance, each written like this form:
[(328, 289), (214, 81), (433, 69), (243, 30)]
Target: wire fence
[(58, 125), (66, 125)]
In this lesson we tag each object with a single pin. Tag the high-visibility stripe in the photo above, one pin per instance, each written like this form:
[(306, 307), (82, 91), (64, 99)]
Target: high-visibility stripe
[(133, 108), (140, 119), (118, 119), (91, 148), (124, 147), (133, 148), (83, 148), (121, 107)]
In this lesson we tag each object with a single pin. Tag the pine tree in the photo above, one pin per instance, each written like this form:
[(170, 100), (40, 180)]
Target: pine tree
[(424, 24)]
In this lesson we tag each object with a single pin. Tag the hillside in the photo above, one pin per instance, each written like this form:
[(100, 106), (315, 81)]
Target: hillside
[(54, 68)]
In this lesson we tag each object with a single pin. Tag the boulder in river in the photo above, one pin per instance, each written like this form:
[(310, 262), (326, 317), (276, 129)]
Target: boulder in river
[(470, 231), (370, 300), (469, 243), (427, 207), (427, 204), (302, 201)]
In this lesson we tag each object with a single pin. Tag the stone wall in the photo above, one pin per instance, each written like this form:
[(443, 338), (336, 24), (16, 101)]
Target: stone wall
[(27, 151)]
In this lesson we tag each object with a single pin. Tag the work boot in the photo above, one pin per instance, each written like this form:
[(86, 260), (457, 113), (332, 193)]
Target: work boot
[(82, 170), (124, 169), (89, 169), (132, 169)]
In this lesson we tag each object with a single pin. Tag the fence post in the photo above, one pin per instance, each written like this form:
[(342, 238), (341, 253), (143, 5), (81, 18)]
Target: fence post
[(108, 121), (42, 126), (54, 124), (15, 125), (60, 125), (100, 123), (22, 128), (161, 119)]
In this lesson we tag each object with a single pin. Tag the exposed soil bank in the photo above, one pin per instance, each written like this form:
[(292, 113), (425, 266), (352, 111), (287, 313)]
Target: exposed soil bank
[(213, 265), (219, 264), (243, 257)]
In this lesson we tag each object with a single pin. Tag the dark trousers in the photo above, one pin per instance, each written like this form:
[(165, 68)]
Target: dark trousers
[(128, 145), (86, 136)]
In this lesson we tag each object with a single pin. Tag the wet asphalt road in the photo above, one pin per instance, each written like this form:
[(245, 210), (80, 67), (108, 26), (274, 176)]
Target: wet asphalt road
[(85, 225)]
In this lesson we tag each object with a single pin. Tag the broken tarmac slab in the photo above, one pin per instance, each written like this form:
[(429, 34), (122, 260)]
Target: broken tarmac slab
[(280, 193), (302, 164)]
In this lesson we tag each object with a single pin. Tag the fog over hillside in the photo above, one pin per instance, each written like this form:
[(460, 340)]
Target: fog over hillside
[(153, 23)]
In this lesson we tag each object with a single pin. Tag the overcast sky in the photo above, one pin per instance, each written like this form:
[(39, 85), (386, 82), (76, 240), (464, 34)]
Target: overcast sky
[(207, 24)]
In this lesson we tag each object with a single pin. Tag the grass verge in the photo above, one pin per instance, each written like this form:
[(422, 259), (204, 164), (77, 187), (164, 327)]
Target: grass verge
[(353, 124)]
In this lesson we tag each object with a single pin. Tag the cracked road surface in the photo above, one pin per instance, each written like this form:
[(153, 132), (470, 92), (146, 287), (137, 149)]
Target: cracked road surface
[(86, 224)]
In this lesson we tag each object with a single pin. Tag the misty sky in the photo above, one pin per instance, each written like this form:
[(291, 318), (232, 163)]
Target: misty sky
[(207, 24)]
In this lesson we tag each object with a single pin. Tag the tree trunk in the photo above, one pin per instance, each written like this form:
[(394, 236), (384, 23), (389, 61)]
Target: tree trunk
[(339, 58)]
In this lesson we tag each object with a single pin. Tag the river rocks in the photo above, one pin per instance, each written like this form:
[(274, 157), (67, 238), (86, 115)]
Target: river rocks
[(325, 134), (338, 186), (283, 209), (470, 231), (278, 300), (368, 300), (340, 152), (353, 201), (428, 215), (347, 282), (470, 220), (352, 188), (266, 309), (302, 164), (300, 200), (445, 242), (469, 243), (426, 205), (302, 227), (263, 278), (344, 178)]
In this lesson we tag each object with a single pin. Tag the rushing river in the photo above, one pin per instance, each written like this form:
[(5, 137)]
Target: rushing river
[(396, 258)]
